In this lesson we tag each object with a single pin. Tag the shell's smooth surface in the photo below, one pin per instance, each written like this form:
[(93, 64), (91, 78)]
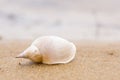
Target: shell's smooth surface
[(50, 50)]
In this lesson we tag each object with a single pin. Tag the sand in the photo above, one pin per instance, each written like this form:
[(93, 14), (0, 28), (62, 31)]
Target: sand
[(93, 61)]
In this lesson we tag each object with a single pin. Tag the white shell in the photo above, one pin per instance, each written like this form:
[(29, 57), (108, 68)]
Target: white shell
[(50, 50)]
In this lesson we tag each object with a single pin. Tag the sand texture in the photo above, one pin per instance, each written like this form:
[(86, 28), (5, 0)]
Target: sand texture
[(93, 61)]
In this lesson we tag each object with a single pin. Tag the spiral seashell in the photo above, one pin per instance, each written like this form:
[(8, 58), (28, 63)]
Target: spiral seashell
[(50, 50)]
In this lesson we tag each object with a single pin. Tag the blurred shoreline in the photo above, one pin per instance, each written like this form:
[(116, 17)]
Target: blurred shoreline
[(86, 20)]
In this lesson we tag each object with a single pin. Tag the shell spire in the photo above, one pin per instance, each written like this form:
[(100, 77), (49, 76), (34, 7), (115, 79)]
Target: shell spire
[(21, 55)]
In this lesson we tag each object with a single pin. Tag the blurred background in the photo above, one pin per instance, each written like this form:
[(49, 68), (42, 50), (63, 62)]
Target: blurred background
[(71, 19)]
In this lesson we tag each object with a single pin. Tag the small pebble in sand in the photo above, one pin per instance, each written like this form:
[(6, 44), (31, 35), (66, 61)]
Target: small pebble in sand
[(111, 53), (50, 50), (19, 63), (1, 70)]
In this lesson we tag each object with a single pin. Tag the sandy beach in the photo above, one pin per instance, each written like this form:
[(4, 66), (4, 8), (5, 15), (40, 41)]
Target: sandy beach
[(92, 23), (93, 61)]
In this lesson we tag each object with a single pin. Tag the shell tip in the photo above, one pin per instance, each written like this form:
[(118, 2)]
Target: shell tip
[(20, 56)]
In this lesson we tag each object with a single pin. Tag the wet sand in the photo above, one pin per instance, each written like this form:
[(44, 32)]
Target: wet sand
[(93, 61)]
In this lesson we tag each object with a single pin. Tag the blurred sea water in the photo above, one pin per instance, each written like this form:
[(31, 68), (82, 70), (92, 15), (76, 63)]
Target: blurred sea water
[(72, 19)]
